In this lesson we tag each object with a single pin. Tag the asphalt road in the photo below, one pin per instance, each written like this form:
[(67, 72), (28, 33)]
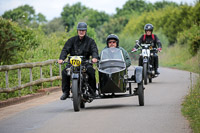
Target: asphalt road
[(160, 114)]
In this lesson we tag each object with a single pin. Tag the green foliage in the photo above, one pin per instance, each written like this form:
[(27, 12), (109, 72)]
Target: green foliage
[(25, 12), (90, 32), (113, 26), (163, 4), (196, 13), (171, 20), (190, 37), (24, 15), (56, 25), (41, 18), (70, 13), (14, 42), (93, 18), (132, 6)]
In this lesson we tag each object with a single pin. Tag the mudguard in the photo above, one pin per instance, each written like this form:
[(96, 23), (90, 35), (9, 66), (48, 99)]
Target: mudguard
[(138, 74), (75, 75)]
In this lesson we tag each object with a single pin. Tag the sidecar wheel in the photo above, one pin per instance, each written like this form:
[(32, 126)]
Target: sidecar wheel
[(76, 95), (140, 94)]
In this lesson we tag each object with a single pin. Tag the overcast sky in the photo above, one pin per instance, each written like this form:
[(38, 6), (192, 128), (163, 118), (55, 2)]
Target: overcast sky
[(53, 8)]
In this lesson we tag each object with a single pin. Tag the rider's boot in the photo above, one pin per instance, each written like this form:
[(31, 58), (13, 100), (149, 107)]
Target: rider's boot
[(94, 94), (156, 71), (64, 96)]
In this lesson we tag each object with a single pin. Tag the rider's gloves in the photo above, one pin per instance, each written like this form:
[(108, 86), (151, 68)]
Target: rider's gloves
[(159, 49), (134, 50)]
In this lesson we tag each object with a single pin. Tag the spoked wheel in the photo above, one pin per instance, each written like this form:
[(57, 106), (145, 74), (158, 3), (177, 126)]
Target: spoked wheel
[(140, 92), (145, 75), (76, 95)]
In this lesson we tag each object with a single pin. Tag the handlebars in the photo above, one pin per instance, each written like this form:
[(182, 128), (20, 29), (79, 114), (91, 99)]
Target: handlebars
[(145, 46)]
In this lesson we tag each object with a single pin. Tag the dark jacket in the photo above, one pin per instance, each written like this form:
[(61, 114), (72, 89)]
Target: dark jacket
[(148, 40), (85, 47)]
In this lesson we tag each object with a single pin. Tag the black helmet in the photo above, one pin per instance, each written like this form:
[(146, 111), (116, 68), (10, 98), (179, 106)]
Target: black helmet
[(82, 26), (113, 36), (148, 27)]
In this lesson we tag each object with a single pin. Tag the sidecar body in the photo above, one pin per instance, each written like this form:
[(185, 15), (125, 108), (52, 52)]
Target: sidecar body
[(113, 74)]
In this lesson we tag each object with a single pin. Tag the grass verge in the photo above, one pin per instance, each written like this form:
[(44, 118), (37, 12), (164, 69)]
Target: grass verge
[(180, 58), (191, 107)]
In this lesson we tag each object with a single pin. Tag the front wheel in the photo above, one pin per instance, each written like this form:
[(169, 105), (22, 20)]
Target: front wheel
[(76, 95), (145, 75), (140, 92)]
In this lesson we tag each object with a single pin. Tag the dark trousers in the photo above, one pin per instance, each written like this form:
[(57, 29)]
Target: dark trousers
[(66, 79), (154, 61)]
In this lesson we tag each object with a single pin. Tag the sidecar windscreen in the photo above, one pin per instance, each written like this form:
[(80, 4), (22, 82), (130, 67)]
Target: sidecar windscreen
[(111, 61)]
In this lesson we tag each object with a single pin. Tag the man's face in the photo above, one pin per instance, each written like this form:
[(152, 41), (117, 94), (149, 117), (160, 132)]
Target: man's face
[(112, 43), (81, 33), (148, 32)]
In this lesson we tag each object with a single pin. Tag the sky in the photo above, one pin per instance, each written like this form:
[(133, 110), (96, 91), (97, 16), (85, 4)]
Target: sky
[(53, 8)]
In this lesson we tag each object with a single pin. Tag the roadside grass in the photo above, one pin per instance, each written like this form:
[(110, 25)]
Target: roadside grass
[(191, 107), (179, 57)]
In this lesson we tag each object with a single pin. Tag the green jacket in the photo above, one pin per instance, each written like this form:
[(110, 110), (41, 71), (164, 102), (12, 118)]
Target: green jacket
[(126, 56)]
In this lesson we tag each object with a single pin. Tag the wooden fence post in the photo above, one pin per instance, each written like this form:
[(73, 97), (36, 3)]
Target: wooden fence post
[(41, 76), (19, 80), (51, 74), (30, 84), (31, 78), (7, 82)]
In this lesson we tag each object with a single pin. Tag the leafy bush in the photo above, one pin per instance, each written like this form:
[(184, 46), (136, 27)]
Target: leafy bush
[(190, 37), (14, 42), (171, 20)]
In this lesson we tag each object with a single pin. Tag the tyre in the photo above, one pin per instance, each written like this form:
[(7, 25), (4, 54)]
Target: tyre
[(130, 89), (140, 92), (145, 74), (76, 95)]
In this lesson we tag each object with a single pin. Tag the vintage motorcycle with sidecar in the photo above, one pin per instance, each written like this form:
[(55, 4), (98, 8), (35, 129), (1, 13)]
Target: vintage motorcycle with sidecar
[(114, 79)]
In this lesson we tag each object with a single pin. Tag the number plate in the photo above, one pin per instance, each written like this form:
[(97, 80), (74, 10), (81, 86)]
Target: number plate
[(75, 61)]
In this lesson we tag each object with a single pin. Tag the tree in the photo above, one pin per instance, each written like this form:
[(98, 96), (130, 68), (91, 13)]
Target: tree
[(70, 13), (56, 25), (40, 18), (113, 26), (163, 4), (14, 42), (132, 6), (24, 15), (93, 18)]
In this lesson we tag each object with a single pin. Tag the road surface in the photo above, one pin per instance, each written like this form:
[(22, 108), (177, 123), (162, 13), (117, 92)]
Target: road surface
[(160, 114)]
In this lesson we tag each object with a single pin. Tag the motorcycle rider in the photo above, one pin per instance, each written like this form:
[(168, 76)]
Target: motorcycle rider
[(80, 45), (113, 42), (149, 38)]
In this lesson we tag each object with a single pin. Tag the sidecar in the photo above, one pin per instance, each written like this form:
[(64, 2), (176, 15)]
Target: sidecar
[(115, 79)]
